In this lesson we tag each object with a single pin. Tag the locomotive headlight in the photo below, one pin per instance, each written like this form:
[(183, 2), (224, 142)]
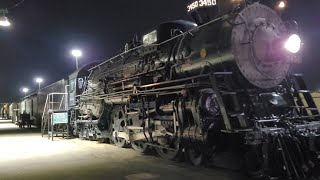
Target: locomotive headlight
[(150, 38), (293, 43), (281, 4)]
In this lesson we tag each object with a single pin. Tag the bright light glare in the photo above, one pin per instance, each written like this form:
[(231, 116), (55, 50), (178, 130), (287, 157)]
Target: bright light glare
[(39, 80), (293, 44), (76, 53), (4, 21), (25, 90), (282, 4)]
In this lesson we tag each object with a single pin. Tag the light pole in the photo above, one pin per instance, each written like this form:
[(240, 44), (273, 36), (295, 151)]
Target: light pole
[(76, 53), (39, 81), (3, 19)]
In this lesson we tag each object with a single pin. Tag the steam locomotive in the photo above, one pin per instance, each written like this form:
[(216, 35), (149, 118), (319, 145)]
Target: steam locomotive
[(216, 90), (216, 87)]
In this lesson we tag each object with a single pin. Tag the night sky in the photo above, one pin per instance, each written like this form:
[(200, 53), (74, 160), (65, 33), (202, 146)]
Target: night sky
[(44, 31)]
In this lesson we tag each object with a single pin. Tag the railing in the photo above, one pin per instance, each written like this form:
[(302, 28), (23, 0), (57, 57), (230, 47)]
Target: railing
[(43, 116), (50, 106)]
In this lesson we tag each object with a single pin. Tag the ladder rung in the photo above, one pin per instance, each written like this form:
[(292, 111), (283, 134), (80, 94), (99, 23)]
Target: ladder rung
[(228, 93), (237, 130), (243, 130), (222, 73), (237, 114), (298, 75), (312, 109), (135, 127), (302, 107), (267, 120), (304, 91), (130, 113)]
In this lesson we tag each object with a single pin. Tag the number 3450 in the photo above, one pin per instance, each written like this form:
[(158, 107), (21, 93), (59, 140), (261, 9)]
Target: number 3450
[(207, 3), (201, 3)]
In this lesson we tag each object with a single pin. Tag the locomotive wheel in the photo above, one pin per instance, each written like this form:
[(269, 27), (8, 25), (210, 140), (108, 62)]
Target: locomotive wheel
[(140, 146), (168, 154), (118, 124), (119, 142), (172, 151), (194, 155)]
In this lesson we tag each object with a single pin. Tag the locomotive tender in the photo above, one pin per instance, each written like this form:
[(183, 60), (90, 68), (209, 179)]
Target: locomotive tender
[(35, 103), (216, 88)]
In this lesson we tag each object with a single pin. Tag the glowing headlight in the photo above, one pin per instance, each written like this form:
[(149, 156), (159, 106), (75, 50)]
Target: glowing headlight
[(150, 38), (281, 5), (293, 44), (4, 21)]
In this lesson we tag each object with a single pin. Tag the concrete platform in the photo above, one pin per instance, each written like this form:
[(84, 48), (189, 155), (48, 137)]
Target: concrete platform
[(24, 154)]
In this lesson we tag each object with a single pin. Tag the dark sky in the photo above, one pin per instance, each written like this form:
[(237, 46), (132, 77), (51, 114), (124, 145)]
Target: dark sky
[(44, 31)]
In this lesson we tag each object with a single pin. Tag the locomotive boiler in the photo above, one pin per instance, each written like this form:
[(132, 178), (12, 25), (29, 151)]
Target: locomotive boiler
[(215, 88)]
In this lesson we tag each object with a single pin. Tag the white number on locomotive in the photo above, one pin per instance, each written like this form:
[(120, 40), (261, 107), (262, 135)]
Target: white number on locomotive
[(201, 3)]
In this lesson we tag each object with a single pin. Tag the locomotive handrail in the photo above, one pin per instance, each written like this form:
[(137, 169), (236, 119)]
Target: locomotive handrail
[(151, 85), (152, 91), (174, 81), (141, 91), (57, 93), (168, 40), (161, 83)]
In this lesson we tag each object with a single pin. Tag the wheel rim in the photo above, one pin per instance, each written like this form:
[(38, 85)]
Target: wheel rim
[(167, 154), (171, 151)]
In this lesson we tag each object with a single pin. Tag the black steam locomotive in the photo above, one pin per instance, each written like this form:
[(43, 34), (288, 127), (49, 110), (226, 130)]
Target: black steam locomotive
[(215, 89)]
